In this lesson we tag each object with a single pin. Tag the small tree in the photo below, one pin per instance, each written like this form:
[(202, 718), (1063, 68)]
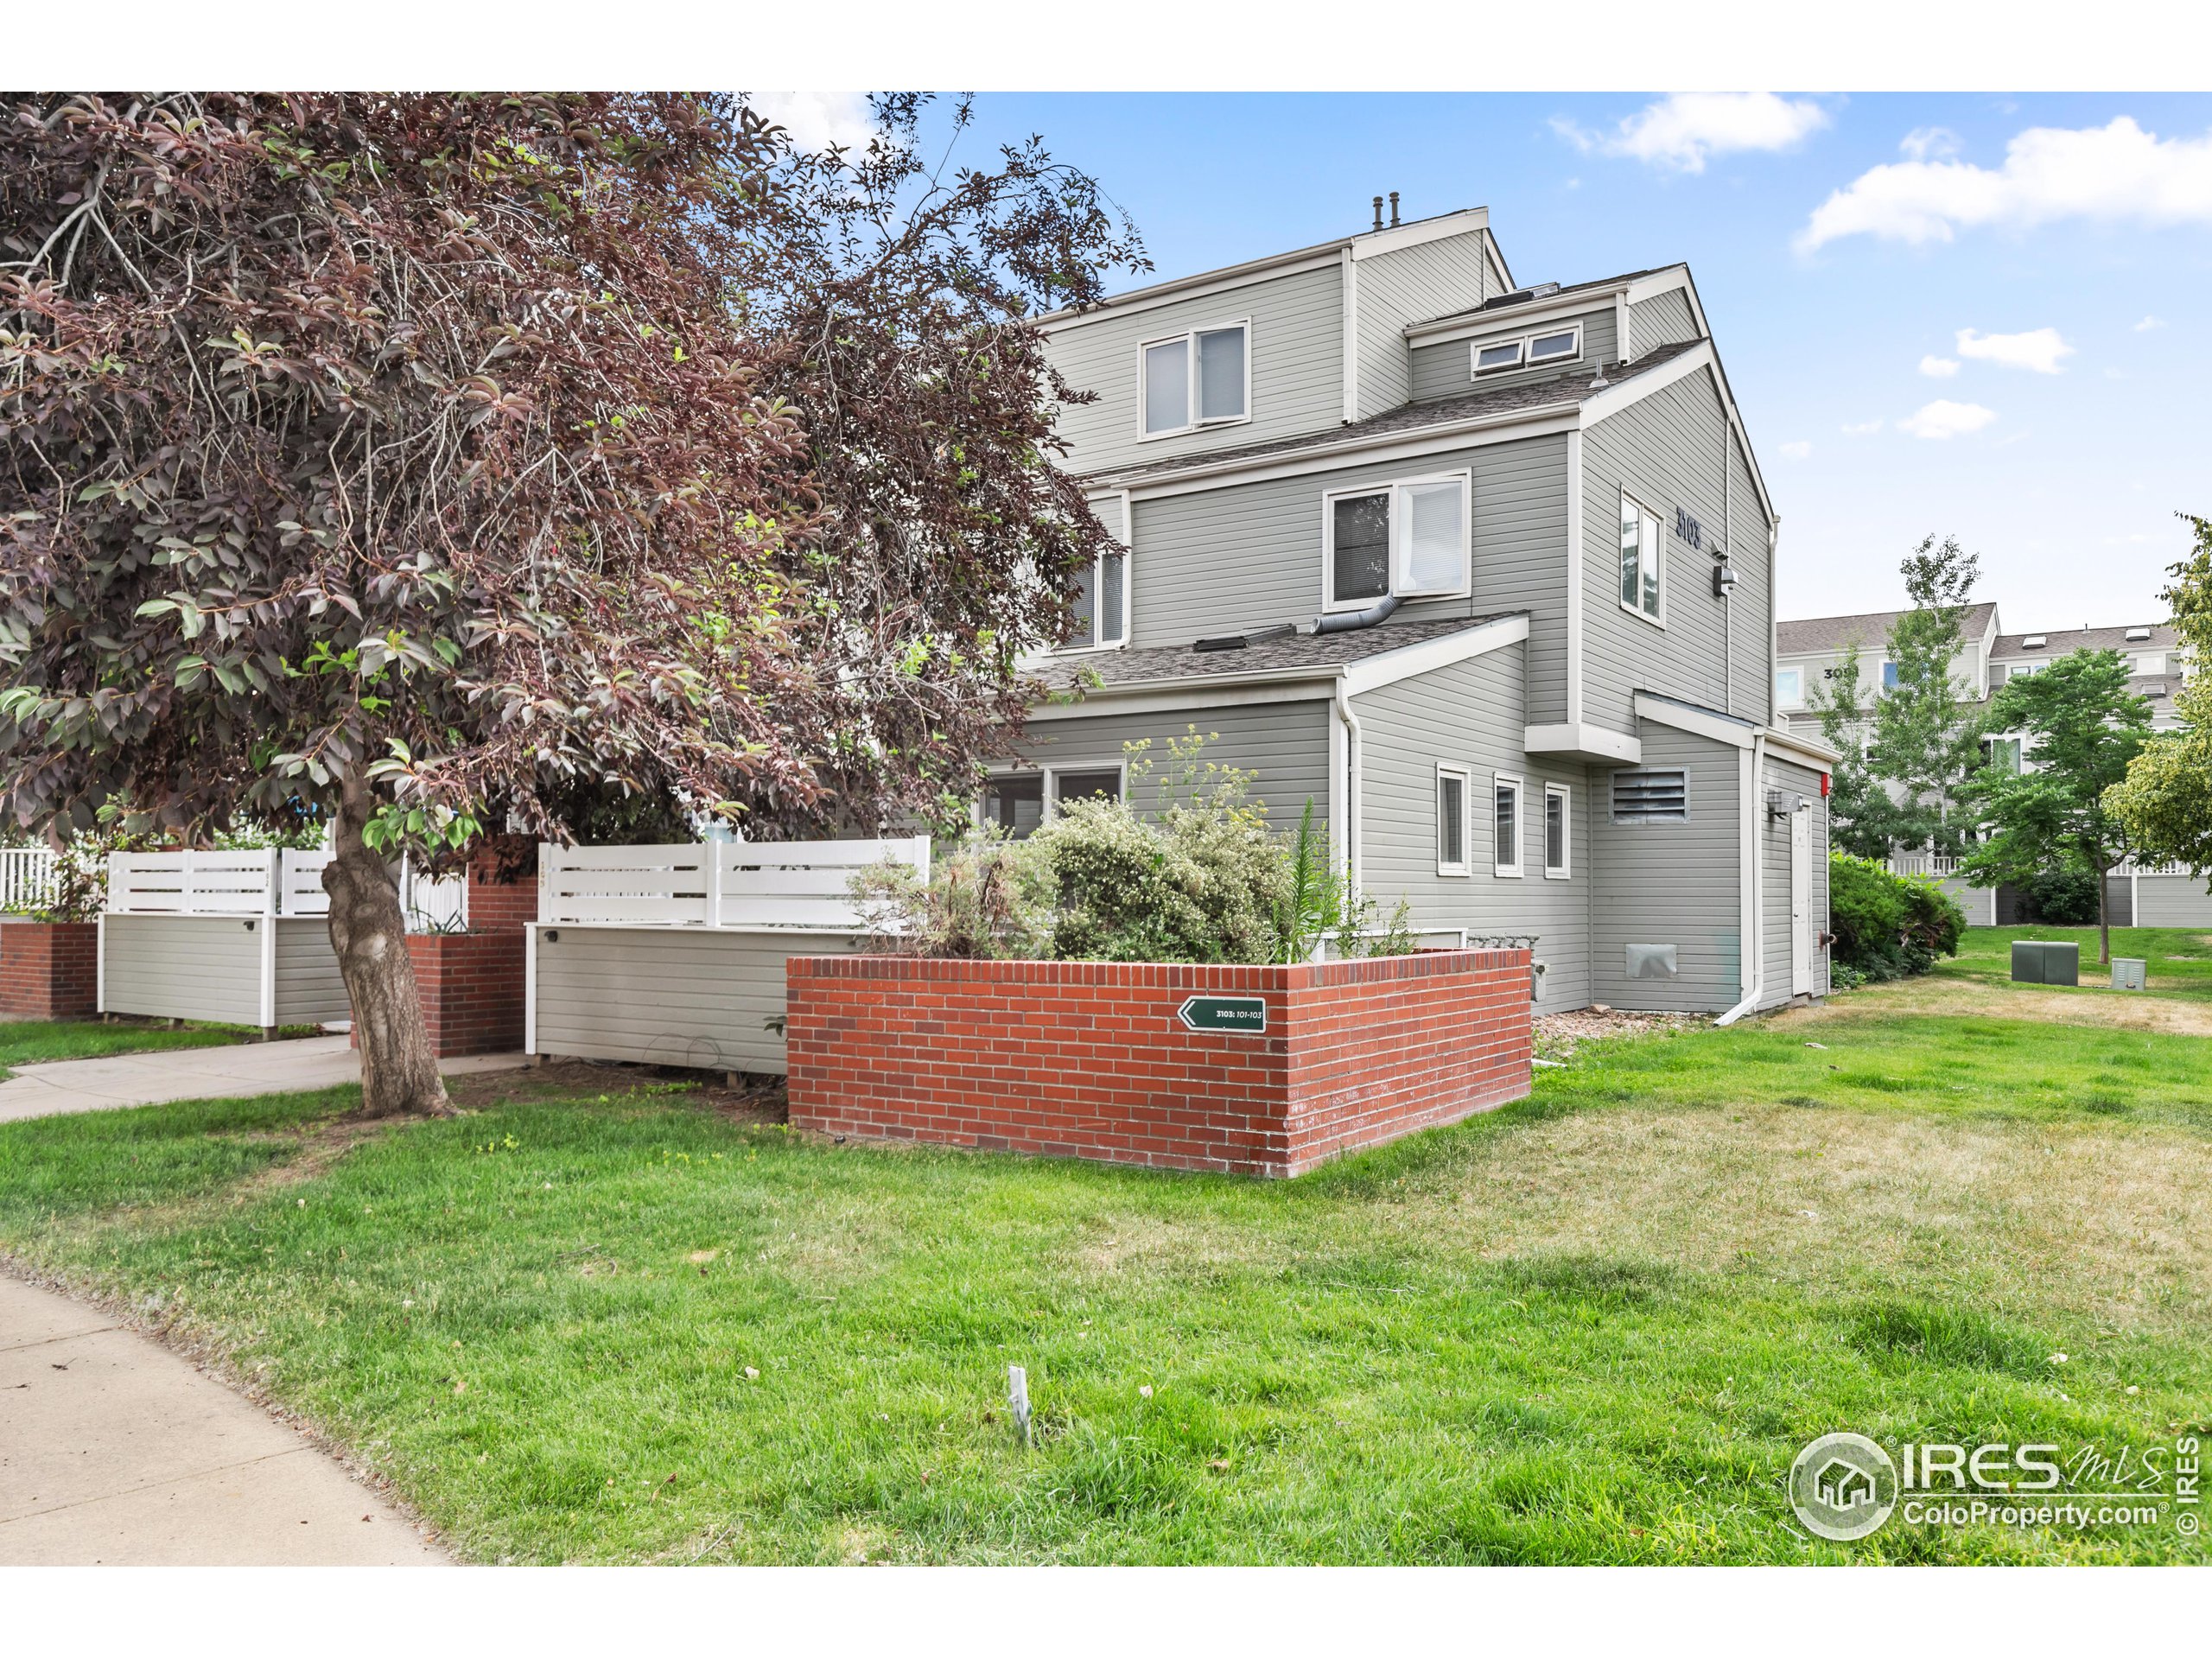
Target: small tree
[(1927, 730), (2081, 726), (2165, 800), (1860, 810)]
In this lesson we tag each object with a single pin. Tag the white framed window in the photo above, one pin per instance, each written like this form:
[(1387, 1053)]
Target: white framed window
[(1020, 803), (1200, 378), (1651, 795), (1454, 793), (2152, 663), (1643, 585), (1409, 538), (1889, 675), (1102, 599), (1559, 831), (1789, 687), (1562, 344), (1506, 794)]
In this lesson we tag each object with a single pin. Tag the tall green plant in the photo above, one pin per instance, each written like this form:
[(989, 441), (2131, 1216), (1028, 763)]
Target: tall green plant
[(2165, 800), (1860, 811), (1927, 726)]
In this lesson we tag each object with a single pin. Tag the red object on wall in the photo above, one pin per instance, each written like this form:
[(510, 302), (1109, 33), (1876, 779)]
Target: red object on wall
[(49, 971), (1090, 1060), (1826, 783)]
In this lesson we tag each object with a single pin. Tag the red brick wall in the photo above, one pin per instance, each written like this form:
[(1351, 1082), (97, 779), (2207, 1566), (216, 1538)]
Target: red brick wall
[(49, 971), (495, 905), (471, 987), (1087, 1060)]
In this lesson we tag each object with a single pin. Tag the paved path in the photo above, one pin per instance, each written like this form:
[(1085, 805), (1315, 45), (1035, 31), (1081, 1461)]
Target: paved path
[(233, 1072), (113, 1450)]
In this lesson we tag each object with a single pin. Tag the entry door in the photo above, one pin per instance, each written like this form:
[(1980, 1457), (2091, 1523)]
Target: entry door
[(1800, 903)]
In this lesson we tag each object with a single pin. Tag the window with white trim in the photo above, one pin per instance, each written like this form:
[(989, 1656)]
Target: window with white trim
[(1789, 687), (1199, 379), (1410, 540), (1641, 565), (1019, 803), (1505, 811), (1651, 795), (1559, 831), (1453, 793), (1102, 597), (1539, 350), (1889, 677)]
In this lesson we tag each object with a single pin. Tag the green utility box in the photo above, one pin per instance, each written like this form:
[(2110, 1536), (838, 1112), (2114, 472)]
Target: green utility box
[(2040, 963)]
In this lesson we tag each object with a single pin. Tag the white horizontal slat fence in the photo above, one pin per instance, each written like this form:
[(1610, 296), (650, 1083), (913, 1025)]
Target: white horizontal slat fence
[(715, 884)]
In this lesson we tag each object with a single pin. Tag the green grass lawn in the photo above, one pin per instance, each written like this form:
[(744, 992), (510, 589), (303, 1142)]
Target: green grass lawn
[(593, 1326), (2178, 960), (26, 1042)]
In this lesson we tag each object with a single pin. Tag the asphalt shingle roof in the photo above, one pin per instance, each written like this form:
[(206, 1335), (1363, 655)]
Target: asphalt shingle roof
[(2058, 642), (1120, 669), (1867, 631), (1566, 391)]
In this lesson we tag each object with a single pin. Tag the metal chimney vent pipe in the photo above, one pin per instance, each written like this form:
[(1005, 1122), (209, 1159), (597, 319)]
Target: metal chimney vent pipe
[(1394, 209), (1378, 212)]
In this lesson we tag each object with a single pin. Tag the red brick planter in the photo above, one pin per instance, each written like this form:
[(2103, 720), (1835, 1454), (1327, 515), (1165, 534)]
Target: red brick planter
[(49, 971), (1090, 1060)]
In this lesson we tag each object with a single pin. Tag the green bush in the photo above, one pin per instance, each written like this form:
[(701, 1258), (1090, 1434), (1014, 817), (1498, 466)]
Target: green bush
[(1888, 926), (2064, 898)]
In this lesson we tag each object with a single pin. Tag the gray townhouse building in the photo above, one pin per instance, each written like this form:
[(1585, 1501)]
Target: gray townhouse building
[(1481, 570)]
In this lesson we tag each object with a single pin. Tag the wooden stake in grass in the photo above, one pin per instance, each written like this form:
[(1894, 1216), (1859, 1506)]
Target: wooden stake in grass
[(1017, 1396)]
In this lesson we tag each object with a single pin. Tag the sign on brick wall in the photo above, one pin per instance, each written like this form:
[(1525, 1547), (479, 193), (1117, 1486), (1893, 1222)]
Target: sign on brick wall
[(1224, 1014)]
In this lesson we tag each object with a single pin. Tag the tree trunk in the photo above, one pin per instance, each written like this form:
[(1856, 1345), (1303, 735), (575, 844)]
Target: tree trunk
[(2104, 916), (369, 933)]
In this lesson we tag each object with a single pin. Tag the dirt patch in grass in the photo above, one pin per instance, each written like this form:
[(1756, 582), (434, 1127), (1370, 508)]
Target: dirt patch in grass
[(753, 1100), (2120, 1010), (1558, 1035)]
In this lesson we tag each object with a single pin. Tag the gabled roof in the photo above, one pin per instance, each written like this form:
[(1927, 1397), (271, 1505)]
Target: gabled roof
[(1500, 305), (2058, 642), (1288, 656), (1565, 392), (1868, 631)]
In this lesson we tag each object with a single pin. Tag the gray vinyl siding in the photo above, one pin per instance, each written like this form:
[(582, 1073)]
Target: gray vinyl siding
[(1666, 450), (310, 991), (1750, 633), (1447, 370), (1297, 367), (1660, 320), (688, 996), (1671, 883), (1471, 714), (1408, 285), (184, 967), (1287, 744), (1248, 555), (2172, 901), (1791, 778)]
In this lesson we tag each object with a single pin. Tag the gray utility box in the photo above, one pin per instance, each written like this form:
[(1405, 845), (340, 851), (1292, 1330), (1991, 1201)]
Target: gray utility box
[(2038, 963), (2128, 973)]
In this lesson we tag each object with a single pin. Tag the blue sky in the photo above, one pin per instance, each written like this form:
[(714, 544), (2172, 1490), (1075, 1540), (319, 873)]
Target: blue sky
[(2068, 487)]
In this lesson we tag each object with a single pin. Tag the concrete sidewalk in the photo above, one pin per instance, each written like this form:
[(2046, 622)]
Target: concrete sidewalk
[(115, 1451), (230, 1072)]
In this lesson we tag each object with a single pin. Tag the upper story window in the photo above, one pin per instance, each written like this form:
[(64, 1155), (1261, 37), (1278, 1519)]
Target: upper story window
[(1789, 687), (1410, 540), (1642, 568), (1196, 379), (1102, 599), (1546, 345), (1889, 675), (2152, 663)]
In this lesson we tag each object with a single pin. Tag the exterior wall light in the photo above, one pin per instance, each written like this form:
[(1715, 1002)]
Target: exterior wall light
[(1723, 578)]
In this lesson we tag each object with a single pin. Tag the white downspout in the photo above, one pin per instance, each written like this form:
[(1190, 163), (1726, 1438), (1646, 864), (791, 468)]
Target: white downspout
[(1349, 828), (1754, 874)]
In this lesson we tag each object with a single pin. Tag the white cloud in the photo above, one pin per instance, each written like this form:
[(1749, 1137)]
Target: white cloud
[(2149, 323), (2039, 349), (1797, 451), (1939, 368), (1862, 429), (1681, 130), (2114, 172), (1945, 419), (1924, 143), (817, 120)]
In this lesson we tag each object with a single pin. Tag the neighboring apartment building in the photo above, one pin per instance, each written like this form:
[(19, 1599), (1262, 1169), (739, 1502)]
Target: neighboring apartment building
[(1482, 572), (1807, 653)]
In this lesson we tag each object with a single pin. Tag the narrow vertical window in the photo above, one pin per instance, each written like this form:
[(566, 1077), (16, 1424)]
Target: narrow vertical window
[(1506, 804), (1450, 821), (1359, 547), (1167, 386), (1641, 568), (1221, 374), (1432, 558), (1559, 830)]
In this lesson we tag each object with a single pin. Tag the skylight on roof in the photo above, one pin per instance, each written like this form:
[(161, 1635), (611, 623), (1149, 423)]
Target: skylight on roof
[(2032, 641), (2138, 633)]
